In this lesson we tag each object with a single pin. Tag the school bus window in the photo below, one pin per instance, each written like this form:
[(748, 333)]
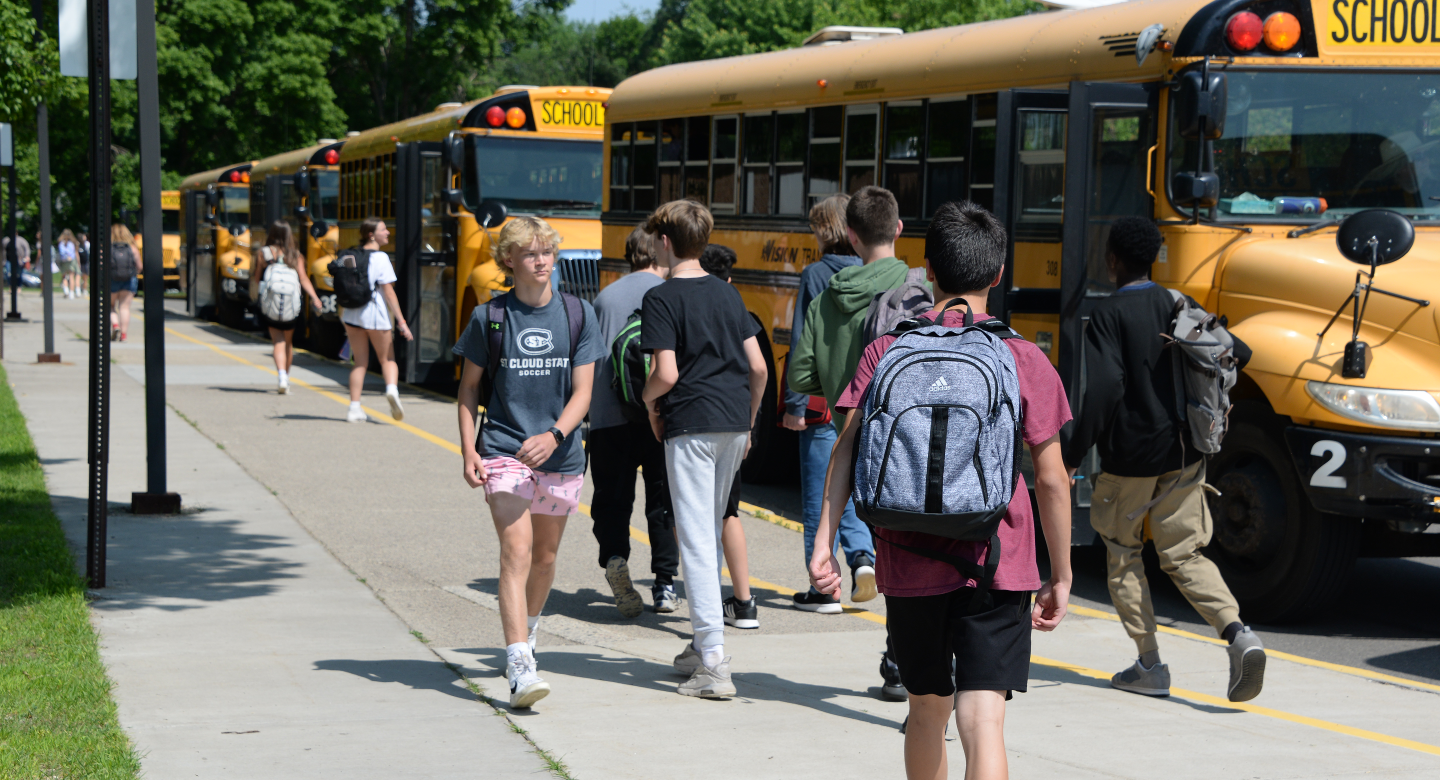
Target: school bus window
[(697, 158), (644, 171), (170, 221), (759, 141), (790, 163), (672, 153), (541, 176), (430, 205), (722, 170), (825, 151), (620, 151), (1040, 179), (904, 137), (861, 133), (325, 197), (986, 106), (947, 142)]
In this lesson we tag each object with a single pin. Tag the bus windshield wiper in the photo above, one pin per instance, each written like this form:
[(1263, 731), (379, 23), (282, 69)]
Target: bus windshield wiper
[(575, 204), (1305, 231)]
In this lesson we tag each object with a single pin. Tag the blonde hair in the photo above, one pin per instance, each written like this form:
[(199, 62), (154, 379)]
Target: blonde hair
[(827, 222), (120, 235), (519, 232), (66, 235)]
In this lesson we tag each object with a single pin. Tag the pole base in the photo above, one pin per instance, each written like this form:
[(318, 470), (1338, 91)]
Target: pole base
[(154, 503), (14, 316), (48, 357)]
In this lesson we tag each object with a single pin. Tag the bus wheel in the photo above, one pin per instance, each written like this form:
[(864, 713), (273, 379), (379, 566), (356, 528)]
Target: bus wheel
[(1282, 559)]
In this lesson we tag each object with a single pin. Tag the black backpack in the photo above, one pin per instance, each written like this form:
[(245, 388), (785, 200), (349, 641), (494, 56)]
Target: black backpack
[(123, 267), (351, 274), (495, 336), (629, 369)]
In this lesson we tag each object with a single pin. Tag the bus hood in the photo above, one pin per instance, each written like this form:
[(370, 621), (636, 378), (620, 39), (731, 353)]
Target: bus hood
[(1280, 292)]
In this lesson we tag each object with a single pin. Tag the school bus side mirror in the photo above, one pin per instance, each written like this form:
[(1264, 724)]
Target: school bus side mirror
[(318, 228), (302, 183), (491, 212), (301, 212), (1200, 102), (1197, 190), (452, 151), (452, 197)]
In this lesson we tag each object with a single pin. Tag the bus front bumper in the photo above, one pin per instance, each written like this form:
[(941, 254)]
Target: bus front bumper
[(1375, 477)]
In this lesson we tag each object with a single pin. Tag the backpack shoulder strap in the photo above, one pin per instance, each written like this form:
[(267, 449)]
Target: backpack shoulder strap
[(575, 318), (998, 329), (494, 334)]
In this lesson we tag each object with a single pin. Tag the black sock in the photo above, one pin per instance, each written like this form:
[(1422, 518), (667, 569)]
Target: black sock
[(1231, 631)]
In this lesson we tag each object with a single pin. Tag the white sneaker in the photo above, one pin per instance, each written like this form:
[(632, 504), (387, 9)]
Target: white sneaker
[(356, 415), (285, 385), (396, 410), (526, 687)]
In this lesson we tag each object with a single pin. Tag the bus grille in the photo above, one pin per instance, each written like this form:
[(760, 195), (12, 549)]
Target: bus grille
[(580, 272)]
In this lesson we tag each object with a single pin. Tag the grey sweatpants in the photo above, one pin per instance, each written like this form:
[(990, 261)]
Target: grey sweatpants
[(702, 467)]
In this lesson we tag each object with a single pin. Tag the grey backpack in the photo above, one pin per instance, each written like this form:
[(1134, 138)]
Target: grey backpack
[(1206, 369), (892, 307), (938, 449)]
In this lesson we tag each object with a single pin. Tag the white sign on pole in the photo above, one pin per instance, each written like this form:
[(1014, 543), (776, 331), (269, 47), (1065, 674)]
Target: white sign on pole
[(7, 146), (74, 33)]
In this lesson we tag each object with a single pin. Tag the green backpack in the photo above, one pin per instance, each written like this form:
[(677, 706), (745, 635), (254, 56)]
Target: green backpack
[(629, 369)]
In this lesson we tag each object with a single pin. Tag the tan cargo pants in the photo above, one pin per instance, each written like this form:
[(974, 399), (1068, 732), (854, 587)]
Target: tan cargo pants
[(1180, 526)]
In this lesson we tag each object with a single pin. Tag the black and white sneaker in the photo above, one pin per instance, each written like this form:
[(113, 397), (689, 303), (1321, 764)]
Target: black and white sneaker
[(741, 614), (862, 579), (665, 599), (891, 688), (822, 603)]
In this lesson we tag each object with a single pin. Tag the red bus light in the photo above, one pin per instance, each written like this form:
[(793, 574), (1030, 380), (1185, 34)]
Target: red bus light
[(515, 117), (1282, 31), (1244, 31), (495, 116), (331, 157), (234, 176)]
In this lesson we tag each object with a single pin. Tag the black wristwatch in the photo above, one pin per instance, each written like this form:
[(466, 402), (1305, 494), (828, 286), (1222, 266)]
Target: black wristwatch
[(559, 437)]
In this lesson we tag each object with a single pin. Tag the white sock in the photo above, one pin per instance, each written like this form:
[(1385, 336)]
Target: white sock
[(284, 375), (392, 390), (354, 406), (533, 621), (712, 655)]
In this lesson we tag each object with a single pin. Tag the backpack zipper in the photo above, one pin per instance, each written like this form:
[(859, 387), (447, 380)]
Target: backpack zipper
[(990, 388)]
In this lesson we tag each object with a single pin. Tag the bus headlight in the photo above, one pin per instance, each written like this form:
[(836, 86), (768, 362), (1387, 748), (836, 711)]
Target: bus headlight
[(240, 273), (1413, 409)]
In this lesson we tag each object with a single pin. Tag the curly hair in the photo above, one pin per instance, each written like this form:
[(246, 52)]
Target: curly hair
[(1135, 241)]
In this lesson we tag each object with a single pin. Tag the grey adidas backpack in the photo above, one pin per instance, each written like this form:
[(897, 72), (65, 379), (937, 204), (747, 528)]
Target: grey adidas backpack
[(938, 448), (1206, 369), (892, 307)]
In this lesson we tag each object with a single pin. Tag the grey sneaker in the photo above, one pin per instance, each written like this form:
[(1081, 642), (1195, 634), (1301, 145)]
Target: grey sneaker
[(617, 573), (709, 683), (688, 661), (1247, 666), (665, 599), (1154, 681)]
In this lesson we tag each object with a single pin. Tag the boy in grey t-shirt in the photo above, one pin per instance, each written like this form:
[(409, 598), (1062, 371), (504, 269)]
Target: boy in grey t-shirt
[(527, 456)]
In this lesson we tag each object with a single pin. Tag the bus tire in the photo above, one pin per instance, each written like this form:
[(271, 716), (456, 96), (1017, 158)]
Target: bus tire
[(774, 452), (1282, 559)]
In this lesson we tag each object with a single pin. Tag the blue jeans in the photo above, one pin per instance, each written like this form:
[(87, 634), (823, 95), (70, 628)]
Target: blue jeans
[(816, 441)]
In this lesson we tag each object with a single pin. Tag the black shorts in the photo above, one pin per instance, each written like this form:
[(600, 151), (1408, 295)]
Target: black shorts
[(732, 507), (990, 646)]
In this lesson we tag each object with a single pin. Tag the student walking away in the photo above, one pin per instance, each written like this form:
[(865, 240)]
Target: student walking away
[(530, 359), (365, 290), (276, 290), (84, 251), (951, 510), (1150, 463), (705, 357), (69, 252), (740, 609), (124, 279), (620, 440)]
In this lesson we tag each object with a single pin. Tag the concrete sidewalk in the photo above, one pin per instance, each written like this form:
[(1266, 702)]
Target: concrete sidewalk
[(239, 646)]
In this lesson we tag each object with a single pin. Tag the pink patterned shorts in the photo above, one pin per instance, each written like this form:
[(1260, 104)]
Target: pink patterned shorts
[(549, 493)]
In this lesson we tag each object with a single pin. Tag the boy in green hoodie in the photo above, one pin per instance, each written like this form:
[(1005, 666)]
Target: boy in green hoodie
[(824, 361)]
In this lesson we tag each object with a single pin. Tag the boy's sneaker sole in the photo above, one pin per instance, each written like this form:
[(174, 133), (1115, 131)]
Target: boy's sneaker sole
[(396, 410), (627, 599), (526, 697), (827, 608), (1252, 676), (864, 588), (742, 622)]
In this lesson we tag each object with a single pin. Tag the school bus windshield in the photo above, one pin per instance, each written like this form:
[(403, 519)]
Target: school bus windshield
[(325, 204), (537, 176), (234, 210), (1357, 140), (170, 221)]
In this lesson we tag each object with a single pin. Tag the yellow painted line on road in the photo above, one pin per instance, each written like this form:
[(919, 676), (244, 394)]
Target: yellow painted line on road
[(772, 517), (864, 614)]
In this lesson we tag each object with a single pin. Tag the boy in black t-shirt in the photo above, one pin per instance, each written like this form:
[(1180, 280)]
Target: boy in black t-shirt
[(706, 357)]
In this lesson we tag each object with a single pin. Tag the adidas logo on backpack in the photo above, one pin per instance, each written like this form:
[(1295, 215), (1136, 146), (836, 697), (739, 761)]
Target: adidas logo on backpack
[(945, 466)]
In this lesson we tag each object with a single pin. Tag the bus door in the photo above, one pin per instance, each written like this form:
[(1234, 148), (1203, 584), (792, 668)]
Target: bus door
[(425, 265), (1110, 140), (199, 255)]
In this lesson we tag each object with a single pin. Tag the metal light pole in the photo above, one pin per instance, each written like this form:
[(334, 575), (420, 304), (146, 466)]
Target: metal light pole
[(155, 500), (42, 122), (12, 255), (97, 14)]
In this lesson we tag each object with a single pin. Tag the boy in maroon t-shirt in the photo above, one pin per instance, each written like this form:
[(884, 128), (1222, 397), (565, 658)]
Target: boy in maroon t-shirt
[(933, 618)]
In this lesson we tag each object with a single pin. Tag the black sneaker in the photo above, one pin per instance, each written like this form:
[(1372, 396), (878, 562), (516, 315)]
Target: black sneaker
[(823, 603), (862, 579), (891, 689), (741, 614)]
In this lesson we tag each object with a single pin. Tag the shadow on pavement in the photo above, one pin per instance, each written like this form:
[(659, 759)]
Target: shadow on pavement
[(418, 675), (198, 556), (1056, 674), (591, 606)]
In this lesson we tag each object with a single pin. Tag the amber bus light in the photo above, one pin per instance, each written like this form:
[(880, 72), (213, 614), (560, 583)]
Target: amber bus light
[(515, 117), (1244, 31), (1282, 31)]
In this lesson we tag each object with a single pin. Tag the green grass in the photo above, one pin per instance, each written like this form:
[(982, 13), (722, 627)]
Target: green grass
[(57, 720)]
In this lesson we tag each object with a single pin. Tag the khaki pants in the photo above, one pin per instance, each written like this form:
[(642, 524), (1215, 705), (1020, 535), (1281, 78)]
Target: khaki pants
[(1179, 525)]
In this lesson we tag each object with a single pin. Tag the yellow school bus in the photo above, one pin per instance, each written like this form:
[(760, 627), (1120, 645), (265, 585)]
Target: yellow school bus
[(444, 182), (1062, 122), (302, 188), (170, 239), (215, 243)]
